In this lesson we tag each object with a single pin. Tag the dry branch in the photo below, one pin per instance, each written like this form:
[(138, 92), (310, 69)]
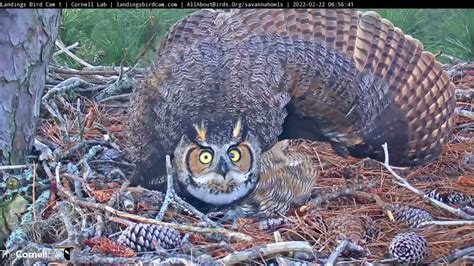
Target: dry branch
[(66, 85), (266, 250), (61, 46), (402, 182), (13, 167), (459, 254), (464, 113), (93, 205), (63, 50), (446, 223), (464, 95), (341, 247)]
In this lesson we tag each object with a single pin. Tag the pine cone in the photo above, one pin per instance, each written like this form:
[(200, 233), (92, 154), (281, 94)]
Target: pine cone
[(409, 248), (457, 198), (412, 216), (351, 227), (453, 197), (148, 237)]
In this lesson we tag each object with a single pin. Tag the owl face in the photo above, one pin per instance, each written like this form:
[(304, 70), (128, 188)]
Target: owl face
[(218, 164)]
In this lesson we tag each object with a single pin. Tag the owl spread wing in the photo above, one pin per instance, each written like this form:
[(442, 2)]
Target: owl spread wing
[(354, 79)]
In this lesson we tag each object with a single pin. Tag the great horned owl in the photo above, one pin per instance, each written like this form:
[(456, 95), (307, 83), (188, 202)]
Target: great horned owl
[(226, 86), (286, 178)]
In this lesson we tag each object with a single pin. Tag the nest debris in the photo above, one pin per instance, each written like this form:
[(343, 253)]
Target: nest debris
[(81, 173)]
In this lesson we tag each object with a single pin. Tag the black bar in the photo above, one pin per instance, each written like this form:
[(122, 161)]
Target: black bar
[(237, 4)]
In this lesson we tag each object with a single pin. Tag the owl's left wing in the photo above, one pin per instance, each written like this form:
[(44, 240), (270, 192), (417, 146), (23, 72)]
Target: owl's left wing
[(354, 79)]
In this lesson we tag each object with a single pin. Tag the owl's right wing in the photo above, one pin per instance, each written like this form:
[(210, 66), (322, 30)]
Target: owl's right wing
[(355, 80)]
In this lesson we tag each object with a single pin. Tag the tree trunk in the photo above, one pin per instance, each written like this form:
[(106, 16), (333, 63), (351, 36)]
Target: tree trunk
[(26, 43)]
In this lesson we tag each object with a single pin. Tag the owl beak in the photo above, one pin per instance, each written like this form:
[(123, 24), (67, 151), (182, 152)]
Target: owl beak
[(222, 167)]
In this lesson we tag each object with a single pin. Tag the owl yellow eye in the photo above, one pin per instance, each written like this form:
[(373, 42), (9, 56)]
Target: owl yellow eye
[(234, 155), (205, 157)]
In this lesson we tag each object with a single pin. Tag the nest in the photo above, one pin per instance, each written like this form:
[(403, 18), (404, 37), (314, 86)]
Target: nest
[(82, 127)]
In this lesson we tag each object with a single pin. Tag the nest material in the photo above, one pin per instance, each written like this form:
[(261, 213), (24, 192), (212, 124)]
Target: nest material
[(449, 197), (147, 237), (451, 173), (412, 216), (409, 248)]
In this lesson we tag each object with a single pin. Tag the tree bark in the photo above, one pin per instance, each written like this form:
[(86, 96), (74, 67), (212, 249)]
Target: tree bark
[(26, 43)]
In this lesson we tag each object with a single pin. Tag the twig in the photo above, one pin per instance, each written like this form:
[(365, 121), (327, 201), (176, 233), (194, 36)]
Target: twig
[(343, 245), (459, 254), (463, 126), (378, 200), (72, 235), (64, 102), (385, 261), (402, 182), (61, 46), (125, 96), (468, 209), (63, 50), (85, 160), (51, 107), (45, 152), (79, 119), (121, 84), (96, 71), (464, 113), (85, 144), (173, 261), (464, 95), (13, 167), (34, 192), (447, 223), (468, 258), (171, 196), (169, 190), (93, 205), (108, 136), (266, 250), (116, 70), (450, 57), (47, 170), (100, 226), (64, 86)]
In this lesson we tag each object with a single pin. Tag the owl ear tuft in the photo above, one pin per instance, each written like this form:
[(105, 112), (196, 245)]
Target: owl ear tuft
[(201, 131), (195, 132), (240, 129)]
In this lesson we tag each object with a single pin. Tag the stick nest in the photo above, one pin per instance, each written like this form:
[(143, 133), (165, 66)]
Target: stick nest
[(85, 131)]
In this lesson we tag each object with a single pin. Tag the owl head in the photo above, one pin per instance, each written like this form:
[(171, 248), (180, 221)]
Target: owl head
[(217, 163)]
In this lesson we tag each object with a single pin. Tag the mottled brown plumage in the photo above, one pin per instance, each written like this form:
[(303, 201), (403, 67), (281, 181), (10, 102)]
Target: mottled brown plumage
[(287, 177), (341, 76)]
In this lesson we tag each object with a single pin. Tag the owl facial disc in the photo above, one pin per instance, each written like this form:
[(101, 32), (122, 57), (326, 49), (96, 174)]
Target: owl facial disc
[(218, 165)]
